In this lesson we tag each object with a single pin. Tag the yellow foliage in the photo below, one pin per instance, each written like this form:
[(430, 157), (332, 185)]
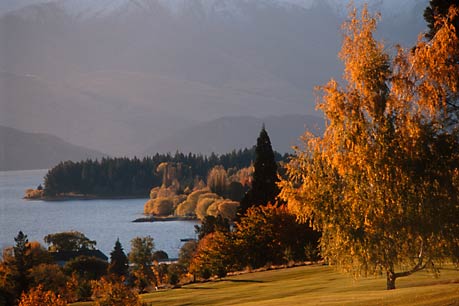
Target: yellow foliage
[(188, 207), (37, 296), (159, 206), (33, 194), (202, 206), (226, 208), (107, 293), (381, 182)]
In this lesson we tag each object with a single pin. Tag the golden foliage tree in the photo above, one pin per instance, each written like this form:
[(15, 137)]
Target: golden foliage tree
[(214, 255), (271, 235), (38, 296), (107, 293), (141, 257), (217, 180), (382, 182)]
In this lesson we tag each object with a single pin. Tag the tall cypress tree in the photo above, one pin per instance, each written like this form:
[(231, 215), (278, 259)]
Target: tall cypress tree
[(264, 184), (118, 261)]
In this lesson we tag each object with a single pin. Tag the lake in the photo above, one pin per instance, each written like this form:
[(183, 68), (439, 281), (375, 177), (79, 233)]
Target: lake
[(100, 220)]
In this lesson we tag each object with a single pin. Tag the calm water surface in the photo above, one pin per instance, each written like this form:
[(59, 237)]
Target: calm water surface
[(100, 220)]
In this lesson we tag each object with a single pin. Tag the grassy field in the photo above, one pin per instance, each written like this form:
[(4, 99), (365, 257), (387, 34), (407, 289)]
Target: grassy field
[(313, 285)]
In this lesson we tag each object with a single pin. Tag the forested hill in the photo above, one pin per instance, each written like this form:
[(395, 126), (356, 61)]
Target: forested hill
[(23, 151), (136, 177)]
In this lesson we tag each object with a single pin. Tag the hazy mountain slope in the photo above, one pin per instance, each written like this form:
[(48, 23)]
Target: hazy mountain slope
[(120, 75), (229, 133), (20, 150)]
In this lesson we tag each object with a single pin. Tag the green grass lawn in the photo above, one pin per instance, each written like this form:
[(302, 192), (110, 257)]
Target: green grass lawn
[(314, 285)]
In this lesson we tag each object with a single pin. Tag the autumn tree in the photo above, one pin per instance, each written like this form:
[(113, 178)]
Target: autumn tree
[(107, 293), (217, 180), (50, 277), (39, 296), (435, 12), (264, 184), (118, 261), (271, 234), (211, 224), (214, 255), (86, 267), (381, 184), (186, 254), (69, 241), (141, 257), (16, 268)]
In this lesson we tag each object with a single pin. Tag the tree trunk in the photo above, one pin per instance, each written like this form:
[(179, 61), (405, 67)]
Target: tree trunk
[(391, 280)]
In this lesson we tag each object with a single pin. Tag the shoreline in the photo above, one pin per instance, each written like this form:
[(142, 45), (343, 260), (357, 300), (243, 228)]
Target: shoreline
[(62, 198), (164, 219)]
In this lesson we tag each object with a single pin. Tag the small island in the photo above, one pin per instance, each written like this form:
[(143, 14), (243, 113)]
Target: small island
[(125, 178)]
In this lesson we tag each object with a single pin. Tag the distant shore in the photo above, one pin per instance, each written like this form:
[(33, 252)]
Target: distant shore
[(166, 218), (72, 197)]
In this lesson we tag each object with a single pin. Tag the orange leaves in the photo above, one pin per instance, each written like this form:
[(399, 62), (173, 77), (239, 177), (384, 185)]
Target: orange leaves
[(113, 293), (37, 296), (380, 179)]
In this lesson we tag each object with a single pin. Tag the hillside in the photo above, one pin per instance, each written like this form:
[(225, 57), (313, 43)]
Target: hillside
[(119, 76), (20, 150), (232, 133), (313, 285)]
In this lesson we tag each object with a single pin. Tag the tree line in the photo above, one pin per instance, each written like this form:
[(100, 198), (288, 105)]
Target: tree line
[(136, 177)]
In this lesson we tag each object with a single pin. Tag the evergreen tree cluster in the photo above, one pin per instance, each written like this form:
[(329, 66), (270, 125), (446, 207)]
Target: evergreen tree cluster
[(136, 177)]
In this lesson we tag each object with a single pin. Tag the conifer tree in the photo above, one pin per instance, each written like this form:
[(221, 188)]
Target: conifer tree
[(264, 184), (118, 261), (20, 265)]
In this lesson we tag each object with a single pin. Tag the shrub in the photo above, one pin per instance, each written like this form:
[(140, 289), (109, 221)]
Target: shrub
[(163, 207), (226, 208), (106, 293), (49, 276), (186, 208), (87, 267), (38, 296), (204, 201)]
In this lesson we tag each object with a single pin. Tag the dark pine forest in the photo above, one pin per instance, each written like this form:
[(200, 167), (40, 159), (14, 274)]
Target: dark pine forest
[(134, 176)]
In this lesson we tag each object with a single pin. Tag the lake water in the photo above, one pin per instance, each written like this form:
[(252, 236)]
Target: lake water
[(100, 220)]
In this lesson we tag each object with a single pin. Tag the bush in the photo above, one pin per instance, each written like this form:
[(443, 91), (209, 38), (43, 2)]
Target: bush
[(163, 207), (87, 267), (186, 208), (34, 194), (49, 276), (226, 208), (202, 206), (173, 272), (37, 296), (106, 293)]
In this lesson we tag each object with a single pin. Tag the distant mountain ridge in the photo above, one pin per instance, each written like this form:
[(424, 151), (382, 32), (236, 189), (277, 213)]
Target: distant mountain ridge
[(26, 151), (120, 75), (232, 133), (104, 8)]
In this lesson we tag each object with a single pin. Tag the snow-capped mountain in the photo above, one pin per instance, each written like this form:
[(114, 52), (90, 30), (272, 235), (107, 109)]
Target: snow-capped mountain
[(118, 75), (104, 8)]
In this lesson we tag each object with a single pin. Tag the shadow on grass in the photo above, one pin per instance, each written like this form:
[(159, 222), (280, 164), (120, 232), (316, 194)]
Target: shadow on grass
[(198, 288), (242, 281)]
